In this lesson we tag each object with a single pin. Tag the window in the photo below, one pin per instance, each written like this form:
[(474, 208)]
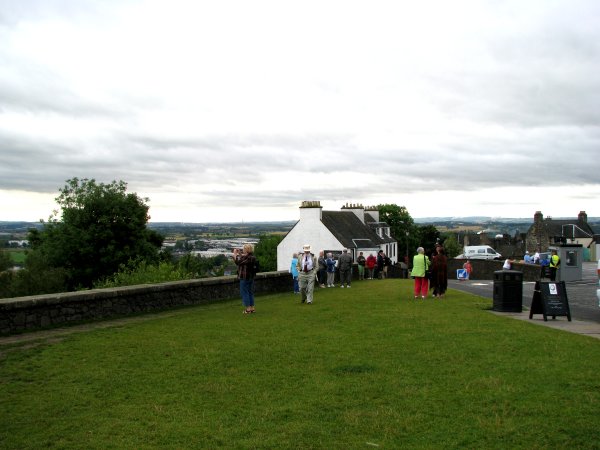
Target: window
[(571, 258)]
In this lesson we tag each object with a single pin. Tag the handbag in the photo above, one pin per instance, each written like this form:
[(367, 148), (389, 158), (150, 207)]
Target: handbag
[(427, 271)]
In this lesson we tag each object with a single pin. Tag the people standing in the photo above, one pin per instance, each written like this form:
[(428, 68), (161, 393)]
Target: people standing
[(307, 269), (294, 271), (330, 270), (380, 264), (439, 273), (361, 261), (421, 264), (345, 265), (322, 273), (507, 264), (554, 265), (370, 264), (545, 268), (387, 262), (245, 261)]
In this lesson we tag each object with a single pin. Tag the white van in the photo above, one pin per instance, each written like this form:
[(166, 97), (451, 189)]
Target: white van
[(480, 252)]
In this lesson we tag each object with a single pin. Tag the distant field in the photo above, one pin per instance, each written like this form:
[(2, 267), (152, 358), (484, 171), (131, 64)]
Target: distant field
[(457, 228), (18, 255)]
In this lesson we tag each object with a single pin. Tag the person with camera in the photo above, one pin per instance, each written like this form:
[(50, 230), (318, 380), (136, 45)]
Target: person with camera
[(246, 262)]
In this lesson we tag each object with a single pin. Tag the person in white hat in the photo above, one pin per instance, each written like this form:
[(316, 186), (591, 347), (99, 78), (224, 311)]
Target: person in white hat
[(307, 270)]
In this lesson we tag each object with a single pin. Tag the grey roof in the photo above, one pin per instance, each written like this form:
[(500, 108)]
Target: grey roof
[(558, 227), (347, 228), (369, 217)]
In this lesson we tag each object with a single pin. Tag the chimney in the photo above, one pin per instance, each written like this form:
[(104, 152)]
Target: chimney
[(357, 209), (311, 210), (373, 211), (538, 217), (582, 217)]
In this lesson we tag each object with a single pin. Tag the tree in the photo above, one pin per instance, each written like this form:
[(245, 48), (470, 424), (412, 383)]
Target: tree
[(429, 236), (402, 226), (266, 252), (451, 246), (5, 261), (101, 227)]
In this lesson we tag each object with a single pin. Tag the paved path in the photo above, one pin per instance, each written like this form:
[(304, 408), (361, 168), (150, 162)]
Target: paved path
[(585, 312)]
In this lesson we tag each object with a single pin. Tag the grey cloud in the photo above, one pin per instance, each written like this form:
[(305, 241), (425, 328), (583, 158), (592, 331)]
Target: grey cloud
[(12, 12), (28, 88), (529, 115)]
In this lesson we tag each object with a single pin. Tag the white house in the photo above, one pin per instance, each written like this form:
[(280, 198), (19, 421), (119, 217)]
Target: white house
[(354, 227)]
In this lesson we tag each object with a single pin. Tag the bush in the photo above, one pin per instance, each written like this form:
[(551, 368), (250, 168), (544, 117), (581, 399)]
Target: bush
[(32, 282), (144, 273)]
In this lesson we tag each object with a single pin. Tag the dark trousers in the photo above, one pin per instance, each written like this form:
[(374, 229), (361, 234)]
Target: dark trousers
[(322, 276)]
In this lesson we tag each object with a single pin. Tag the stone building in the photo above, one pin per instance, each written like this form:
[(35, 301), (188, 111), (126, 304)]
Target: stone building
[(353, 227), (546, 232)]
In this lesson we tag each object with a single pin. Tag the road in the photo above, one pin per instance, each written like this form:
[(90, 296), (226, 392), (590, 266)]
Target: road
[(581, 294)]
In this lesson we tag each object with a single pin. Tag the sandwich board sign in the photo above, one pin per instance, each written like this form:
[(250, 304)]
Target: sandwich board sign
[(550, 299)]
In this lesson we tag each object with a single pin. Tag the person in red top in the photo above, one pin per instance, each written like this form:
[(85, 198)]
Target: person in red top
[(468, 268), (371, 263)]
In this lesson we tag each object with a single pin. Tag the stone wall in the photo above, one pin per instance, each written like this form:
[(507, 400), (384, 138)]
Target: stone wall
[(43, 311), (484, 269)]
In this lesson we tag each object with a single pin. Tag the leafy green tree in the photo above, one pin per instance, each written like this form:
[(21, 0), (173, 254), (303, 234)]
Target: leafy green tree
[(101, 227), (429, 236), (451, 245), (266, 251), (5, 261), (202, 267), (402, 227), (39, 278)]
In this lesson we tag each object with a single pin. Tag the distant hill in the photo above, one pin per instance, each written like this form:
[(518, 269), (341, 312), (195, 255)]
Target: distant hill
[(449, 222), (473, 219)]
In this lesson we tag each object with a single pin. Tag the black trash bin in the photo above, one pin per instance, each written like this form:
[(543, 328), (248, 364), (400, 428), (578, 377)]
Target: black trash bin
[(508, 291)]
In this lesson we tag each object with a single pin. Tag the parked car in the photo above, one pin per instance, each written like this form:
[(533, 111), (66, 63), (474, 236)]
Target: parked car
[(480, 252)]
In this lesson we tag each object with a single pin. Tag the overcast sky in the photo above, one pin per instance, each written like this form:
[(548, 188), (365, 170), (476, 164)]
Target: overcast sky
[(240, 110)]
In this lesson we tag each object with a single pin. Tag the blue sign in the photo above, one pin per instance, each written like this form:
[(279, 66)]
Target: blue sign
[(461, 274)]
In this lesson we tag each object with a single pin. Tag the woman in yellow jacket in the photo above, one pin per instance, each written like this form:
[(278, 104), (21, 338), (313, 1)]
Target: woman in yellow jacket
[(421, 264)]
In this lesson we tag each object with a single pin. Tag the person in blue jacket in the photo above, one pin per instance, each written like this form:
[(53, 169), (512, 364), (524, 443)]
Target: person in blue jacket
[(294, 271), (331, 263)]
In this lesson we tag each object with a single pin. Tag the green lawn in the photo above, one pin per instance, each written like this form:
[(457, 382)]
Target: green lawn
[(362, 368)]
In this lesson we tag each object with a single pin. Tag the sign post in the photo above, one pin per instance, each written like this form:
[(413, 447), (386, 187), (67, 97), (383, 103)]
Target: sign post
[(550, 299)]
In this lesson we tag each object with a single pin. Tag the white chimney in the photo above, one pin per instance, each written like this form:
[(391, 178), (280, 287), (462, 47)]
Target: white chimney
[(311, 211), (359, 210), (374, 212)]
